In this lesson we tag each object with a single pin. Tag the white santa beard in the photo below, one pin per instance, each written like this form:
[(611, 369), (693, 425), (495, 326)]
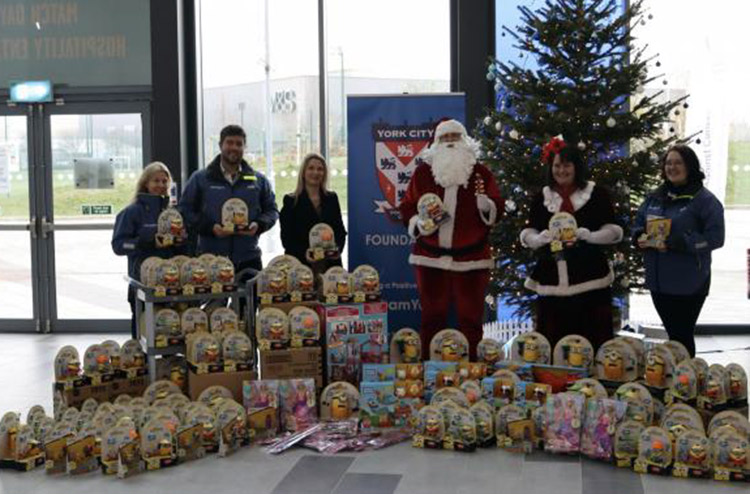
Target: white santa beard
[(452, 166)]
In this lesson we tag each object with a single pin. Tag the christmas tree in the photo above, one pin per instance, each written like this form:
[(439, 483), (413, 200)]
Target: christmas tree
[(588, 88)]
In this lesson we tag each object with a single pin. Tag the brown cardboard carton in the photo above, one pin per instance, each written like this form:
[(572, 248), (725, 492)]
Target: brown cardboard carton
[(293, 363), (230, 380)]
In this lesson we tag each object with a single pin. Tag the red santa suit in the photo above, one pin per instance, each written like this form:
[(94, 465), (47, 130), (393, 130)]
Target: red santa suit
[(453, 264)]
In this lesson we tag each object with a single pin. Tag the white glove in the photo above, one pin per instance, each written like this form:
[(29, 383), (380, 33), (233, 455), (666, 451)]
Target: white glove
[(484, 203), (534, 240), (583, 234)]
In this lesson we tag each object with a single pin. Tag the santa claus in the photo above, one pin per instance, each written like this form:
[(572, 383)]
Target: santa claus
[(453, 261)]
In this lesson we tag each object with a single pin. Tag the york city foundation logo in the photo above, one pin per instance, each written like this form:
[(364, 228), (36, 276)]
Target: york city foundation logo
[(398, 151)]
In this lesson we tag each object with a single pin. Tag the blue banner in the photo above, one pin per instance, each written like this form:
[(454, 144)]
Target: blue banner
[(386, 137)]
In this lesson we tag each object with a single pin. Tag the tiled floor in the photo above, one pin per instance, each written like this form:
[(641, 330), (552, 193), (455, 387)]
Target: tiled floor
[(26, 373)]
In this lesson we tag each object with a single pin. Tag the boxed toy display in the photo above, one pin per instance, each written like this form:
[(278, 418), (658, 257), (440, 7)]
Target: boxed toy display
[(406, 347)]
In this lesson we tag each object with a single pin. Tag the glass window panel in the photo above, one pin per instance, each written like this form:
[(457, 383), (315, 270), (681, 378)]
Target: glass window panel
[(90, 277), (14, 170), (705, 66), (96, 161), (15, 275)]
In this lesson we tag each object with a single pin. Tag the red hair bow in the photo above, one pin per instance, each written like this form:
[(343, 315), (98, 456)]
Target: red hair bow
[(553, 147)]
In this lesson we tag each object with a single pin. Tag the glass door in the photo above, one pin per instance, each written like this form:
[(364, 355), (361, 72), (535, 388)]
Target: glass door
[(95, 154), (18, 241)]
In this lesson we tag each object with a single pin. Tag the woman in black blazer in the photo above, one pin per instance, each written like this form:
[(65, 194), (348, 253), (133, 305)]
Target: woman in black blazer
[(311, 203)]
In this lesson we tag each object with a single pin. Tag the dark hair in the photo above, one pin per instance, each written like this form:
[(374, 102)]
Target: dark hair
[(231, 130), (573, 155), (692, 165)]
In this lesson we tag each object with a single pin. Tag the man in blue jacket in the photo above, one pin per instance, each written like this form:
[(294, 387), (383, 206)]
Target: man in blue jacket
[(229, 176)]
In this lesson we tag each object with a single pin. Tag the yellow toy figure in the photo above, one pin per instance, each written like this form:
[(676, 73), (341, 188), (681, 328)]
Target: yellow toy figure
[(200, 277), (73, 368), (411, 349), (370, 283), (737, 457), (491, 356), (239, 218), (171, 276), (655, 370), (575, 355), (340, 406), (176, 226), (164, 449), (276, 331), (530, 351), (342, 287), (211, 353), (226, 274), (614, 365), (449, 350), (277, 283), (432, 428), (697, 455), (177, 375), (306, 283)]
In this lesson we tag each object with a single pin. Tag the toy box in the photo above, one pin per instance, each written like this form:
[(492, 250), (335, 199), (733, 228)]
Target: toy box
[(356, 334)]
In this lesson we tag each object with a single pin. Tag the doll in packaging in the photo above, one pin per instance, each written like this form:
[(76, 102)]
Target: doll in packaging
[(562, 228), (304, 327), (97, 364), (68, 366), (237, 350), (221, 275), (112, 441), (531, 395), (365, 284), (301, 284), (157, 447), (204, 353), (588, 387), (716, 394), (272, 286), (322, 243), (234, 216), (203, 416), (430, 429), (167, 328), (730, 418), (503, 418), (337, 286), (461, 432), (170, 229), (489, 352), (223, 320), (272, 329), (684, 387), (627, 436), (639, 348), (680, 418), (499, 390), (133, 359), (190, 442), (449, 345), (406, 347), (485, 424), (565, 418), (194, 277), (660, 366), (81, 452), (194, 320), (737, 386), (231, 419), (298, 410), (431, 213), (616, 362), (531, 348), (730, 455), (339, 401), (639, 400), (692, 456), (599, 426), (654, 452), (678, 350), (166, 278), (574, 351)]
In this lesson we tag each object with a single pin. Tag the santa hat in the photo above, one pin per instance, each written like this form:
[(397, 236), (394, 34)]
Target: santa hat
[(449, 127)]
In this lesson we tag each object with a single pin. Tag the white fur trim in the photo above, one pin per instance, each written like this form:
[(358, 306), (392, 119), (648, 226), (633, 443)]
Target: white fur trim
[(449, 127), (412, 228), (525, 233), (445, 234), (566, 290), (579, 198), (490, 219), (562, 273), (607, 235), (448, 264)]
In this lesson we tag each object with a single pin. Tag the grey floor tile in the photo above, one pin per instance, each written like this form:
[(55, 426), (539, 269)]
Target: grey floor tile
[(540, 456), (601, 477), (541, 477), (314, 475), (368, 483)]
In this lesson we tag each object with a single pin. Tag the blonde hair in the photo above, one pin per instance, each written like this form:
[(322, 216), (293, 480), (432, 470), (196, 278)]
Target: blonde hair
[(149, 171), (301, 177)]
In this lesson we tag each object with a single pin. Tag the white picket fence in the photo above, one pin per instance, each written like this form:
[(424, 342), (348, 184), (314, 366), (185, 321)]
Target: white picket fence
[(504, 331)]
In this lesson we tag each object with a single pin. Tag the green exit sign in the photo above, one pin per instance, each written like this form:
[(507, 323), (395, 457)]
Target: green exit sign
[(96, 209)]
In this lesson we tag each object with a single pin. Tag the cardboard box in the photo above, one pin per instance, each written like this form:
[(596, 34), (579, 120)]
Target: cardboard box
[(293, 363), (101, 392), (230, 380)]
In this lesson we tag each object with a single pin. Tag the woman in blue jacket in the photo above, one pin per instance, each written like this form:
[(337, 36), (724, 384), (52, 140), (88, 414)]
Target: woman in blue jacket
[(135, 226), (678, 273)]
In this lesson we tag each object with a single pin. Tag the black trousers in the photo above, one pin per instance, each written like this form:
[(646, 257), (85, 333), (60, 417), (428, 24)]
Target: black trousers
[(588, 314), (679, 314)]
